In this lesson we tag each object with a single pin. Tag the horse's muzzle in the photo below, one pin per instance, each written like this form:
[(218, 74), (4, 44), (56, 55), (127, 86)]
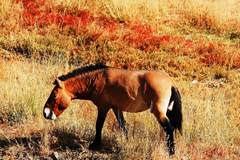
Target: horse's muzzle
[(48, 114)]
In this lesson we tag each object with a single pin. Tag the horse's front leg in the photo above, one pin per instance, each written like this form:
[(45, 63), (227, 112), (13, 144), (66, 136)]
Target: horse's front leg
[(121, 121), (102, 112)]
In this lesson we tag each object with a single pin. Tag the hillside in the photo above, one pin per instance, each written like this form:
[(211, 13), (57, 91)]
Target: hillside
[(195, 41)]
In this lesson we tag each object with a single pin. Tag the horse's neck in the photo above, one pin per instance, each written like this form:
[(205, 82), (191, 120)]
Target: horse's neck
[(83, 86)]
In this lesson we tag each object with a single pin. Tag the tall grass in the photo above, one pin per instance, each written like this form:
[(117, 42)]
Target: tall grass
[(218, 16), (151, 11), (103, 30), (21, 90), (214, 16), (210, 116), (190, 39)]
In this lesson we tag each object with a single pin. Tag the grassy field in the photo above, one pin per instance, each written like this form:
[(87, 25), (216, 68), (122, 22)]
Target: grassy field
[(195, 41)]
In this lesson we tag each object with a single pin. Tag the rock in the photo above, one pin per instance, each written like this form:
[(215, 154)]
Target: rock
[(195, 81)]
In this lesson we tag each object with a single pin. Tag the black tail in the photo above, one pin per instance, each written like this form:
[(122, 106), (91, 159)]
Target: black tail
[(175, 115)]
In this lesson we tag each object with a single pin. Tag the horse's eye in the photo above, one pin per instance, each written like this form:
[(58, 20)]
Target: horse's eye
[(61, 107)]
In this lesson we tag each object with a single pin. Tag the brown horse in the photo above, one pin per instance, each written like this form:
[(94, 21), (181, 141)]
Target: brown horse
[(120, 90)]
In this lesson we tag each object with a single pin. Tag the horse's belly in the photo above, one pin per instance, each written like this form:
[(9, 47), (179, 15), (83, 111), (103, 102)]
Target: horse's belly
[(137, 105)]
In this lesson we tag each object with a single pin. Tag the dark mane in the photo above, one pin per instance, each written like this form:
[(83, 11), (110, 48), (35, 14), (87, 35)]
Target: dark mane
[(82, 70)]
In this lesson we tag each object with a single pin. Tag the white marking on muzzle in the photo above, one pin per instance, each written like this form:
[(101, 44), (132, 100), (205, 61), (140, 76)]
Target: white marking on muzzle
[(49, 114), (53, 117), (170, 107)]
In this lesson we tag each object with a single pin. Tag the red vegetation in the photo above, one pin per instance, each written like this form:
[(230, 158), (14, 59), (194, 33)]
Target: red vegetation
[(214, 53), (215, 153), (135, 34)]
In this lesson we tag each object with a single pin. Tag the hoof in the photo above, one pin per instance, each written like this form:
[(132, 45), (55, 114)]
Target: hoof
[(94, 146), (171, 152)]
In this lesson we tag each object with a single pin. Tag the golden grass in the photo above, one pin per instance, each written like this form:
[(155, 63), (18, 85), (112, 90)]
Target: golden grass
[(210, 109), (31, 57), (218, 16), (150, 11), (10, 15)]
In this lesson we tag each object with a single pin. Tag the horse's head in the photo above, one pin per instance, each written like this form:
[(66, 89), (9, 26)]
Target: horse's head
[(57, 102)]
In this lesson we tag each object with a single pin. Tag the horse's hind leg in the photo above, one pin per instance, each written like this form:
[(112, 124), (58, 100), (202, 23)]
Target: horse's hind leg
[(102, 112), (160, 112), (121, 121)]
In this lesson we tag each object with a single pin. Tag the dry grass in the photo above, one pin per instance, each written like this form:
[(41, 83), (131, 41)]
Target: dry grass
[(215, 16), (191, 40), (211, 121)]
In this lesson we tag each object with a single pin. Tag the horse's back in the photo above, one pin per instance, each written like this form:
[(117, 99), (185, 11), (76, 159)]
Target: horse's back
[(158, 80), (133, 91), (123, 75)]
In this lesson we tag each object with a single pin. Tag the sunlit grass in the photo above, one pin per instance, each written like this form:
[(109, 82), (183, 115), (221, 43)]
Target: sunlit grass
[(190, 39), (210, 116)]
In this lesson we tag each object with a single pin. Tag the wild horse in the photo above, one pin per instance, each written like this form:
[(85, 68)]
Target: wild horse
[(120, 90)]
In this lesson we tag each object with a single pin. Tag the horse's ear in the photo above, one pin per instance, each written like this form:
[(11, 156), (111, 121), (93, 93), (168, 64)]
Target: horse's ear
[(59, 83)]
